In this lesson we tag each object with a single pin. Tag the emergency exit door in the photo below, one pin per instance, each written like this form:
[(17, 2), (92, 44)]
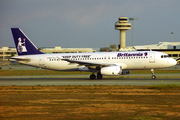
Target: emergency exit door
[(41, 61), (152, 57)]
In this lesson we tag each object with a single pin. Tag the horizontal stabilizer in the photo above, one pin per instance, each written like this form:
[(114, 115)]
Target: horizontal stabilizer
[(19, 59)]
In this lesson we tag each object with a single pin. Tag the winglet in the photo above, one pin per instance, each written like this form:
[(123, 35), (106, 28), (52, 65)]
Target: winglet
[(23, 44)]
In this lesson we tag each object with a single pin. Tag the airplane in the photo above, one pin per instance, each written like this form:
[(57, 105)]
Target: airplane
[(102, 63)]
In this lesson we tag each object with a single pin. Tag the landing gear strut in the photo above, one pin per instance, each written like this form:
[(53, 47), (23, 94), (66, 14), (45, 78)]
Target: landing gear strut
[(153, 76)]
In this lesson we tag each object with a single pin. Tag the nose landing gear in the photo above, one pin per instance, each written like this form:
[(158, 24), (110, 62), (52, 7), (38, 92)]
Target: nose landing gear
[(153, 75)]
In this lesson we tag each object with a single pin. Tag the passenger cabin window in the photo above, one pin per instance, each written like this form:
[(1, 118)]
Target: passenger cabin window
[(164, 56)]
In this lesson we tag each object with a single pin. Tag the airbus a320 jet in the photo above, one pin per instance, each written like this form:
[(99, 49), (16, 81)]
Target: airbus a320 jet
[(102, 63)]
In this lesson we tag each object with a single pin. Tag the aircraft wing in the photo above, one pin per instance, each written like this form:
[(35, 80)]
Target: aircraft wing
[(88, 64)]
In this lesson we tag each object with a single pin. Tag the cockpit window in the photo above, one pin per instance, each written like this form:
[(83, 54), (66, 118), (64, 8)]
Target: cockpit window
[(164, 56)]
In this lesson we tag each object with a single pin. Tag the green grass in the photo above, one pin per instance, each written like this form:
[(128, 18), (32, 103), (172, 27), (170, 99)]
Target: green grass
[(165, 86)]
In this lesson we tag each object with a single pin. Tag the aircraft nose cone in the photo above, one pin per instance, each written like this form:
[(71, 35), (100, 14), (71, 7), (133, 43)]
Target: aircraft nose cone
[(173, 62)]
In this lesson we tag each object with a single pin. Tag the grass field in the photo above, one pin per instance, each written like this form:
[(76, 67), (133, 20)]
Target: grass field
[(160, 102), (90, 102)]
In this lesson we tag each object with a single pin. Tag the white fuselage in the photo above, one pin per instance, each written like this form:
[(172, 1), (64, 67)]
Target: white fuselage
[(127, 60)]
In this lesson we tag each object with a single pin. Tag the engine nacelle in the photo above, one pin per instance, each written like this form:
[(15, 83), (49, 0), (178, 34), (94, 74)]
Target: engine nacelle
[(125, 72), (112, 70)]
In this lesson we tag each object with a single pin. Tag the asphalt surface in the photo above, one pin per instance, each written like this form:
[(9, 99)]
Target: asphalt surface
[(84, 79), (58, 80)]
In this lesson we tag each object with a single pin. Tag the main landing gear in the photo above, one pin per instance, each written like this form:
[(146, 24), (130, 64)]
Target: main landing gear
[(153, 76), (99, 75), (93, 76)]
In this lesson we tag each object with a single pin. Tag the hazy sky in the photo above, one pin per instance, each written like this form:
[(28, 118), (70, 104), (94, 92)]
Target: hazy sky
[(89, 23)]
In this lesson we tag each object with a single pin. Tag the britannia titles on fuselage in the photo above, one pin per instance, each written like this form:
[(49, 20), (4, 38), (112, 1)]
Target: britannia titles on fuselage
[(131, 54)]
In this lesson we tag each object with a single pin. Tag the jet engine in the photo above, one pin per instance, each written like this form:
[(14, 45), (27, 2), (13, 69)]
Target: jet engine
[(111, 70)]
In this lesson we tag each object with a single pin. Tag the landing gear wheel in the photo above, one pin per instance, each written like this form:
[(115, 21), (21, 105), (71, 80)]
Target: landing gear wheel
[(92, 76), (153, 77), (99, 76)]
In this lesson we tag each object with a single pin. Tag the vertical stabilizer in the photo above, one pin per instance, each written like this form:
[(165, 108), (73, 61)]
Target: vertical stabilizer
[(23, 44)]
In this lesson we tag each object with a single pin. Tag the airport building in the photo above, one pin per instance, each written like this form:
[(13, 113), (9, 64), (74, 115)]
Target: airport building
[(170, 48), (7, 52)]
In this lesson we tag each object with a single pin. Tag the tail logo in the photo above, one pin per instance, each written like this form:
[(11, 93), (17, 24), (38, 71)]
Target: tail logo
[(21, 46)]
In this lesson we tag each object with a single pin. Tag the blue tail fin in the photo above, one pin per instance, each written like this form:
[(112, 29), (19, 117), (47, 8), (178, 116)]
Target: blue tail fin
[(23, 44)]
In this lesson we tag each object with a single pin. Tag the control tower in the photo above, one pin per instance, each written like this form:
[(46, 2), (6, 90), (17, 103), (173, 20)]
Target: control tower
[(122, 25)]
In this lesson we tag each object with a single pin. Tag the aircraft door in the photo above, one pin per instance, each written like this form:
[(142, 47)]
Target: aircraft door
[(151, 57), (41, 61)]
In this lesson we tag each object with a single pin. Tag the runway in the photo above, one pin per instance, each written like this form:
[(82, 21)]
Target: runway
[(60, 80)]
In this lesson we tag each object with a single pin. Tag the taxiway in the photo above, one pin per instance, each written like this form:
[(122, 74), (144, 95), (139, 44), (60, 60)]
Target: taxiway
[(57, 80)]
